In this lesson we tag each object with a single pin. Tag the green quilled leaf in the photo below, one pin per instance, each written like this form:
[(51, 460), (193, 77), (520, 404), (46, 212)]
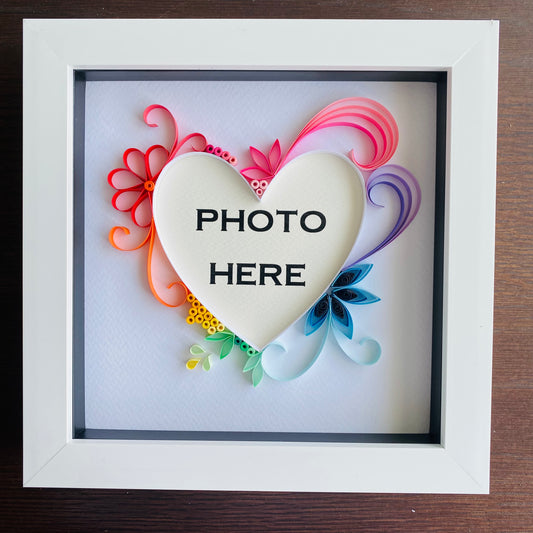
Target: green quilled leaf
[(257, 375), (197, 350), (251, 363), (206, 365), (219, 336), (226, 348)]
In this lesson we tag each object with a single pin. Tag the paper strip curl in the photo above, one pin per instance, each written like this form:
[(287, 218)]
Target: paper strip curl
[(362, 114), (134, 184), (407, 190)]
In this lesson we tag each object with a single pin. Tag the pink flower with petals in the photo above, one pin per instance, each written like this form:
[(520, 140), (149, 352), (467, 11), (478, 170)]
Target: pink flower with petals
[(260, 175)]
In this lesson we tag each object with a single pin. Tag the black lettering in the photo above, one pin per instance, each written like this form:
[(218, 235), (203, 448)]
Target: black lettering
[(286, 215), (241, 273), (290, 274), (227, 273), (307, 214), (251, 216), (275, 271), (239, 220), (200, 217)]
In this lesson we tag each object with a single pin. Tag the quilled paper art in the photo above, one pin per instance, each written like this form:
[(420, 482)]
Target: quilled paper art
[(135, 183), (255, 250), (198, 314)]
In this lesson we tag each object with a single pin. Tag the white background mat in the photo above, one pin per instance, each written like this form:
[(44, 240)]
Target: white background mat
[(136, 348)]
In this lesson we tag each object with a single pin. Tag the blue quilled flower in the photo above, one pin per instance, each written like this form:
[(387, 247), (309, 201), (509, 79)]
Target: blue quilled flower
[(332, 304)]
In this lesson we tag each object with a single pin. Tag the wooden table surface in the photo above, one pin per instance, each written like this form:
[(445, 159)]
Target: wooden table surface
[(508, 508)]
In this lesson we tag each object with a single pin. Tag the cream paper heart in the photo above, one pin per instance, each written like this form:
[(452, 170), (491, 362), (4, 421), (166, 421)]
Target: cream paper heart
[(258, 266)]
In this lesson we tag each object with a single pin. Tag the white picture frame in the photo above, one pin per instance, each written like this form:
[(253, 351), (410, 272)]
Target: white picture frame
[(54, 49)]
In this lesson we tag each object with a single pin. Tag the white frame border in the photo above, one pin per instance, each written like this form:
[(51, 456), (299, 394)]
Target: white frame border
[(53, 49)]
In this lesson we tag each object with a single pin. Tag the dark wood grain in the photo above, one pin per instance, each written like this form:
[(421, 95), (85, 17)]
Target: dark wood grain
[(509, 507)]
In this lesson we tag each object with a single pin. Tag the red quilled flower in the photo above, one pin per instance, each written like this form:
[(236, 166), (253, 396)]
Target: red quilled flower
[(136, 181)]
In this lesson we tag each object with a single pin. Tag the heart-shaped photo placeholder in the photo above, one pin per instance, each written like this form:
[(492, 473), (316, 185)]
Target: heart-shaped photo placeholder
[(258, 266)]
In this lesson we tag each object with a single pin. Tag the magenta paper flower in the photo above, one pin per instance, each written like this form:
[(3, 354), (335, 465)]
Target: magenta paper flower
[(260, 175)]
